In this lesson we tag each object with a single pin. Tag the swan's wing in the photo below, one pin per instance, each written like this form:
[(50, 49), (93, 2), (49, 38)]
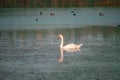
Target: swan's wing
[(72, 45), (69, 45)]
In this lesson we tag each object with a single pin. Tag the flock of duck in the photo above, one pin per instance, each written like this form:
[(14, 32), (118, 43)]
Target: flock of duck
[(73, 13)]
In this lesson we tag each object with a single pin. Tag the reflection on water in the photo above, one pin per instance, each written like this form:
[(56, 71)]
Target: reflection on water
[(60, 59), (33, 54)]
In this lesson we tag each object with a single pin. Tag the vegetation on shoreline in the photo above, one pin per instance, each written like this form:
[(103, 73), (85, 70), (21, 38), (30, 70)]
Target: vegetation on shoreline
[(58, 3)]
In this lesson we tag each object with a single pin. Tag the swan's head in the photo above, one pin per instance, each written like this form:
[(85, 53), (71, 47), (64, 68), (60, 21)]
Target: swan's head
[(60, 36)]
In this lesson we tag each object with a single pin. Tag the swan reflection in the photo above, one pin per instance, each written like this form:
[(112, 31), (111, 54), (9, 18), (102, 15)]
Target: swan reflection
[(60, 59)]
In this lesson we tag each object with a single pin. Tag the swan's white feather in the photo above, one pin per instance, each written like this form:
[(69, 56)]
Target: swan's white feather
[(71, 45)]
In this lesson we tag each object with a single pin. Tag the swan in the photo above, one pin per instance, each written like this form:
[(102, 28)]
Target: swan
[(68, 46)]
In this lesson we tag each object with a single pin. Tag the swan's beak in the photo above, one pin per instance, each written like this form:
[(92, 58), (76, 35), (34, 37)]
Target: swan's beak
[(59, 37)]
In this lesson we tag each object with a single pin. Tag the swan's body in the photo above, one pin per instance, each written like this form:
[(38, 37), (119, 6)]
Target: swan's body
[(68, 46)]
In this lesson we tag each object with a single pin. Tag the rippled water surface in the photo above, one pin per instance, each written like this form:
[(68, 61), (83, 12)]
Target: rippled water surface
[(29, 44), (32, 54)]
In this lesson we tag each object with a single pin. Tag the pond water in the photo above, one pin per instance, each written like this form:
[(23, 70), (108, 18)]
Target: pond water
[(29, 48), (36, 17), (33, 54)]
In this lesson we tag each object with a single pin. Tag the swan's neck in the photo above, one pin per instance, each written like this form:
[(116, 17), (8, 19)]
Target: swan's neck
[(61, 45)]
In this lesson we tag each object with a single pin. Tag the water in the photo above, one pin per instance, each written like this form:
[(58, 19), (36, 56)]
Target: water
[(30, 52), (29, 18), (33, 54)]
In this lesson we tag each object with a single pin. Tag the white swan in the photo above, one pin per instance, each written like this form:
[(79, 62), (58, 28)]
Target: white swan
[(69, 46)]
